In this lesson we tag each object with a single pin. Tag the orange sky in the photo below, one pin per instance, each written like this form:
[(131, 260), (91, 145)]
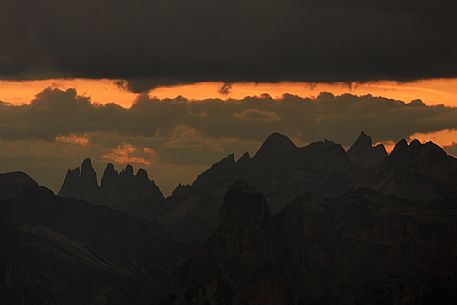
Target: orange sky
[(432, 92), (443, 138), (439, 91)]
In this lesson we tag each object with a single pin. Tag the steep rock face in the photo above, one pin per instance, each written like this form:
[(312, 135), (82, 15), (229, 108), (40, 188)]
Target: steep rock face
[(88, 185), (279, 169), (243, 206), (323, 168), (130, 193), (367, 248), (418, 171), (237, 263), (58, 250), (126, 191), (70, 184), (318, 166), (364, 155), (360, 248), (220, 173), (244, 225), (81, 183)]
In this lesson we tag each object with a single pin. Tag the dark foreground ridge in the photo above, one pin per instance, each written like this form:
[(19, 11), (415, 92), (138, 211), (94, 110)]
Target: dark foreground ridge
[(57, 250), (312, 225), (361, 248)]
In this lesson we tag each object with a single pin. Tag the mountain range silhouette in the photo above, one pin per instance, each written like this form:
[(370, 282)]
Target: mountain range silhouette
[(289, 225)]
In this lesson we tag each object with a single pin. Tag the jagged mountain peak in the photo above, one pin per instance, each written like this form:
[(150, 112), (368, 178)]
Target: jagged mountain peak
[(87, 162), (230, 159), (244, 157), (323, 147), (135, 194), (415, 142), (416, 149), (109, 174), (218, 172), (142, 173), (364, 142), (86, 166), (110, 167), (432, 151), (128, 171), (364, 155), (81, 183), (400, 146), (275, 144)]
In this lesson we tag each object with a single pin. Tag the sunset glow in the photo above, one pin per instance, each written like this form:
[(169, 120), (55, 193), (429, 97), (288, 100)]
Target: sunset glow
[(73, 139), (431, 92), (129, 154)]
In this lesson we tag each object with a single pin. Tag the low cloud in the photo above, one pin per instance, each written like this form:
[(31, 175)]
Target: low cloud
[(129, 154), (189, 138), (73, 139), (175, 139), (55, 113), (257, 115)]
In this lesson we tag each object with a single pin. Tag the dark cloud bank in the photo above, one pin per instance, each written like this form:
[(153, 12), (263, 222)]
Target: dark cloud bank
[(55, 112), (178, 138), (151, 43)]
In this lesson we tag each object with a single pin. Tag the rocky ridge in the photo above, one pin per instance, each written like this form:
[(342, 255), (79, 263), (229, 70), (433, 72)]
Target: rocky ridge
[(134, 194), (360, 248), (282, 171)]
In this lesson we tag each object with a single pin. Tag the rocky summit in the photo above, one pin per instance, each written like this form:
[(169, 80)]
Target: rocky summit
[(364, 155), (282, 171), (289, 225), (57, 250), (126, 191)]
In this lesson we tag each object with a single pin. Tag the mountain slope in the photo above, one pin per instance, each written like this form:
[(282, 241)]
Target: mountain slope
[(12, 184), (279, 169), (64, 251), (282, 171), (418, 172), (360, 248), (237, 264)]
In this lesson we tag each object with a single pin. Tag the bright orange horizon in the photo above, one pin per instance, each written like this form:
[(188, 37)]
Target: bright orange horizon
[(431, 92)]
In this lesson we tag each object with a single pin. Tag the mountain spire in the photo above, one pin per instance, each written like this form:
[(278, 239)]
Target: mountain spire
[(134, 194), (363, 155)]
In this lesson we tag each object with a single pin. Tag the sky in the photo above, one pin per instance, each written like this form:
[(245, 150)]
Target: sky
[(173, 86)]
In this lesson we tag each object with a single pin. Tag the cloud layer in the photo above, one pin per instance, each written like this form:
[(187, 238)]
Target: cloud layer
[(68, 117), (178, 138), (153, 43)]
